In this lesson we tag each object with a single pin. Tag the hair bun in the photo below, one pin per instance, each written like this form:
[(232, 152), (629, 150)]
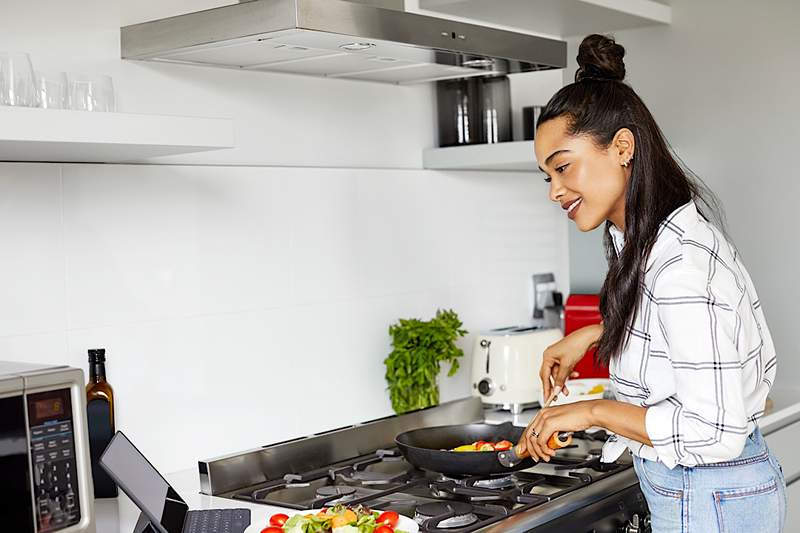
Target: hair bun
[(600, 57)]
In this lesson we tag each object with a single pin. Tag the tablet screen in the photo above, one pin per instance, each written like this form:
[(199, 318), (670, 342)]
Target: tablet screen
[(144, 485)]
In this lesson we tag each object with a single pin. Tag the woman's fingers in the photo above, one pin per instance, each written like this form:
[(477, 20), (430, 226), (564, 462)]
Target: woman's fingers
[(545, 432), (546, 374), (530, 439), (535, 442)]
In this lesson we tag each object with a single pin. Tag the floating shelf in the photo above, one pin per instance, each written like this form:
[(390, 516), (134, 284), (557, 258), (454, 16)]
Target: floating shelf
[(513, 156), (565, 18), (55, 135)]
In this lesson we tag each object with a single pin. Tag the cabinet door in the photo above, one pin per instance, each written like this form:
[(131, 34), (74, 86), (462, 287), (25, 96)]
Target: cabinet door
[(783, 444), (793, 507)]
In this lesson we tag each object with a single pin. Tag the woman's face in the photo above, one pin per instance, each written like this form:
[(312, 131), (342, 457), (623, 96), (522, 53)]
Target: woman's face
[(588, 181)]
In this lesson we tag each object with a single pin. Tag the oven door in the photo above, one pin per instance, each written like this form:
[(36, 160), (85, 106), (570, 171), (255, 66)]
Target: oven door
[(16, 500)]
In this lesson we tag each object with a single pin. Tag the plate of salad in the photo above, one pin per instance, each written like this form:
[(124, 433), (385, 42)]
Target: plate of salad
[(341, 519)]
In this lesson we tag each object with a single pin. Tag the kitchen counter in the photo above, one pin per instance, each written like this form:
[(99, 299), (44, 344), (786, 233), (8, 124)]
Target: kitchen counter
[(120, 515), (785, 410)]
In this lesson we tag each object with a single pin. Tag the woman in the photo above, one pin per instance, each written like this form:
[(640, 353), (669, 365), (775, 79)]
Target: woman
[(689, 352)]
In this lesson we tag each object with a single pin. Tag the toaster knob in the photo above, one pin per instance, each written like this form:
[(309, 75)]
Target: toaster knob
[(486, 387)]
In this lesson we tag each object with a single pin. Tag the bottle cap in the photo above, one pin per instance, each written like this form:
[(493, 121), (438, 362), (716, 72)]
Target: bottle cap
[(97, 355)]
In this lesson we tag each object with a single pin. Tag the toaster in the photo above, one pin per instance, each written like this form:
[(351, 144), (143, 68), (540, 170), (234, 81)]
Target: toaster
[(506, 364)]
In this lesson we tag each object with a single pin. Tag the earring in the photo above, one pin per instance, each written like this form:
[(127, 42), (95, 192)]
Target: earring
[(627, 162)]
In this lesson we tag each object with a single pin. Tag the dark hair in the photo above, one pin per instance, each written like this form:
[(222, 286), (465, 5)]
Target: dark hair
[(599, 104)]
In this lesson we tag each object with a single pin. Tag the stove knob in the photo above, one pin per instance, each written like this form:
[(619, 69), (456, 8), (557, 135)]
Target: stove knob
[(633, 525), (486, 387)]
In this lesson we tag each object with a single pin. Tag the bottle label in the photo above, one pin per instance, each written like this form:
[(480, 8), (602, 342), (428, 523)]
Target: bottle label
[(100, 433)]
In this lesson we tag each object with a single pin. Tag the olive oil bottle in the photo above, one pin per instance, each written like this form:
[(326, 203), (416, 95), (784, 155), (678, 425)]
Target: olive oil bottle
[(100, 415)]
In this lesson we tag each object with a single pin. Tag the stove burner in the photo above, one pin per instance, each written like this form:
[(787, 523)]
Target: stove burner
[(495, 482), (346, 493), (445, 515), (489, 482)]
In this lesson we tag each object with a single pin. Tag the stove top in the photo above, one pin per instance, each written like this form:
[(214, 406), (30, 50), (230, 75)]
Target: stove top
[(360, 465), (384, 480)]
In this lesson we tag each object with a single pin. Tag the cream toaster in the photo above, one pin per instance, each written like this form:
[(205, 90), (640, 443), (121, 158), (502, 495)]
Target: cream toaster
[(506, 364)]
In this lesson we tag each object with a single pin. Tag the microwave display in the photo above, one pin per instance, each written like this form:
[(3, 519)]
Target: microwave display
[(55, 475), (47, 409)]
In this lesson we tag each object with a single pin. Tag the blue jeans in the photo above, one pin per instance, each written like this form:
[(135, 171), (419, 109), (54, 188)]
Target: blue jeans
[(747, 494)]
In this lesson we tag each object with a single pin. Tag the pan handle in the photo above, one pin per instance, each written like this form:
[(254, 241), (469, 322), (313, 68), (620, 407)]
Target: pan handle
[(509, 458)]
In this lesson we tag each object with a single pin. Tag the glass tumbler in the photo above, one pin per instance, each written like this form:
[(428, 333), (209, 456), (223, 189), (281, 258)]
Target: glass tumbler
[(91, 93), (17, 81), (52, 89)]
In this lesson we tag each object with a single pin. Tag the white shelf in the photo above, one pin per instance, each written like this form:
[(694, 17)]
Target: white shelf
[(565, 18), (513, 156), (54, 135)]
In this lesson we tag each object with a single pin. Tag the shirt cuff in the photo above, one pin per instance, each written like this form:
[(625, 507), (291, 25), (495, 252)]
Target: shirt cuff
[(658, 422)]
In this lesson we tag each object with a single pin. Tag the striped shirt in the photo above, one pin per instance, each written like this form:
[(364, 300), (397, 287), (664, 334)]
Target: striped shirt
[(700, 356)]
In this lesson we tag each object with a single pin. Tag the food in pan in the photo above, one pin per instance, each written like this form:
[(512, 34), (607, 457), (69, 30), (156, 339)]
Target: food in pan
[(597, 389), (337, 519), (484, 446)]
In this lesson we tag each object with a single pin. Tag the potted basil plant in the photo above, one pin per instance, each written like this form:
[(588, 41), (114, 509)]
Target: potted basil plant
[(418, 349)]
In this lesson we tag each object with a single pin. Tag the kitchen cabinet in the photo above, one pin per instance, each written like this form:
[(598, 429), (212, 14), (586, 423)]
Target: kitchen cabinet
[(564, 18), (792, 507), (57, 135), (783, 443)]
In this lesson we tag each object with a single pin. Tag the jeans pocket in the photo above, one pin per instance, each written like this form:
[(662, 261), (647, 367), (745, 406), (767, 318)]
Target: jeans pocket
[(649, 474), (749, 509)]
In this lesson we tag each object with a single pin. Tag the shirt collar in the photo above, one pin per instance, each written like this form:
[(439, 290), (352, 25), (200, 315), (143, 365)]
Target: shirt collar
[(676, 224)]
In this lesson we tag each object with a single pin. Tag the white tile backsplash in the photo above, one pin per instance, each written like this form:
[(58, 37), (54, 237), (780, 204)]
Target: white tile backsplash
[(31, 250), (247, 305)]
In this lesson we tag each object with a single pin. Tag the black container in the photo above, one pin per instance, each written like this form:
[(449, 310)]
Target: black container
[(474, 110), (530, 115)]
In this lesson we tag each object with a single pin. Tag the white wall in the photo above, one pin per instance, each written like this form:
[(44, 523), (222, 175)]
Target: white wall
[(722, 83), (247, 301)]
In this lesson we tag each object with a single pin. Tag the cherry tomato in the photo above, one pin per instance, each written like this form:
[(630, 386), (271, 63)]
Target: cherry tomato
[(383, 529), (278, 520), (389, 518), (503, 445), (272, 529)]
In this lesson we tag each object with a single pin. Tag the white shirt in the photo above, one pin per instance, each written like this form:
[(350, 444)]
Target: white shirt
[(700, 356)]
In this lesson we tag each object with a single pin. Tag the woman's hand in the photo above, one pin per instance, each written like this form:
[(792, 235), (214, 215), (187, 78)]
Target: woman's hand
[(571, 417), (560, 358)]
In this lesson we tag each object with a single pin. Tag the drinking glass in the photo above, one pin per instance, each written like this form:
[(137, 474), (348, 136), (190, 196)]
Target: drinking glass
[(17, 81), (91, 93), (52, 89)]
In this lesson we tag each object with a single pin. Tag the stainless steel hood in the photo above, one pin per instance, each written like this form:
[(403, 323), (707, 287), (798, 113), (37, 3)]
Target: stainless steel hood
[(339, 39)]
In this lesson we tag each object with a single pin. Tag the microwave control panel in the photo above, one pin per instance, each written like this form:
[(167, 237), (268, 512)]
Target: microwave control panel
[(55, 475)]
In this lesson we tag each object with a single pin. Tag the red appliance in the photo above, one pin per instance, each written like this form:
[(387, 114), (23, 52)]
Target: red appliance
[(583, 310)]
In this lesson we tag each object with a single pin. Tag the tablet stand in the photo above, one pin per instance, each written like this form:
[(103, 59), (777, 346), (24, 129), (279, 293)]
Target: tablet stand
[(143, 525)]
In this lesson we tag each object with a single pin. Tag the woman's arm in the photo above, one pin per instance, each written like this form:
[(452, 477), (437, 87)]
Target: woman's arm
[(622, 418), (560, 358)]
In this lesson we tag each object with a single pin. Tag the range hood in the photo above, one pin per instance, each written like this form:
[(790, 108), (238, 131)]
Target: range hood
[(339, 39)]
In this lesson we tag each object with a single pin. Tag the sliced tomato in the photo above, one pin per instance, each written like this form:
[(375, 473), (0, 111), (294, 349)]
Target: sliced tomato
[(503, 445), (278, 520), (486, 447), (479, 444), (383, 529), (389, 518), (272, 529)]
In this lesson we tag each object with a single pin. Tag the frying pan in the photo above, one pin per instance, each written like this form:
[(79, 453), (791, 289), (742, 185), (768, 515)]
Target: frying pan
[(427, 448)]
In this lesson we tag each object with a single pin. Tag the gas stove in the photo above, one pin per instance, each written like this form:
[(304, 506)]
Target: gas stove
[(575, 492)]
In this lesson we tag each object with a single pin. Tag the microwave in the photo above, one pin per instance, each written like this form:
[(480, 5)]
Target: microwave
[(44, 450)]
